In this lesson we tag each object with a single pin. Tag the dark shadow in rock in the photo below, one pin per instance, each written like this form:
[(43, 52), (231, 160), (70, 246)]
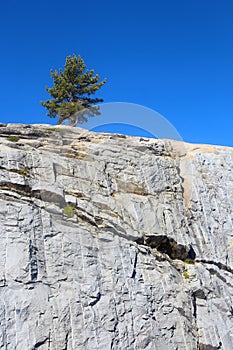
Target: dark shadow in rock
[(169, 246)]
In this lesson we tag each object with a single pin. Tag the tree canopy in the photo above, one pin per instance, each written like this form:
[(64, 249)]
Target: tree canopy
[(72, 92)]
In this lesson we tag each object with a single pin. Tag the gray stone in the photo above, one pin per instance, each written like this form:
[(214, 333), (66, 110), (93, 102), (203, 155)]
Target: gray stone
[(111, 242)]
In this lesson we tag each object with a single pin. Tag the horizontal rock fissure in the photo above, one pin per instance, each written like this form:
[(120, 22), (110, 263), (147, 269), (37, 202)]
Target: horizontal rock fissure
[(18, 188), (26, 190), (169, 246), (220, 265)]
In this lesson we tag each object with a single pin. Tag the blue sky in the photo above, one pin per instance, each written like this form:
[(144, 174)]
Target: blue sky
[(174, 57)]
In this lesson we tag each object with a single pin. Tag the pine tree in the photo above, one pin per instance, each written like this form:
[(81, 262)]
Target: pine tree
[(71, 92)]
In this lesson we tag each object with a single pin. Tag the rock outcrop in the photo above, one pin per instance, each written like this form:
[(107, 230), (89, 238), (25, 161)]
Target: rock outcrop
[(114, 242)]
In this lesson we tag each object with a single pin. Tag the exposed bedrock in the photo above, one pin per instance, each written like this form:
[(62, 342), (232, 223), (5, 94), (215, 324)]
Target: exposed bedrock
[(114, 242)]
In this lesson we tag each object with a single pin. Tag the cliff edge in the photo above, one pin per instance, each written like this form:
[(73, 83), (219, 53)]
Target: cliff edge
[(114, 242)]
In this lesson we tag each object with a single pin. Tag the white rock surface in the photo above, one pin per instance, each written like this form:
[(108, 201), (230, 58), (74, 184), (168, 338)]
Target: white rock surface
[(113, 242)]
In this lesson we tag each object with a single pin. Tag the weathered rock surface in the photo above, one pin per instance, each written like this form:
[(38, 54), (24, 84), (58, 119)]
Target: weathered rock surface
[(113, 242)]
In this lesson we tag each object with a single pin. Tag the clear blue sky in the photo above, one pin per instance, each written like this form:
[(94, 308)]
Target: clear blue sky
[(175, 57)]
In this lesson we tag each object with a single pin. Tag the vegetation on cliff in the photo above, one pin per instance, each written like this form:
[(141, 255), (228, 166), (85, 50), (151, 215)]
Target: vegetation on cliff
[(71, 93)]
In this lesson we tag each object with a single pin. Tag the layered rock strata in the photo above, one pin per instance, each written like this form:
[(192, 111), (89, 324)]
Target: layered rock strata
[(114, 242)]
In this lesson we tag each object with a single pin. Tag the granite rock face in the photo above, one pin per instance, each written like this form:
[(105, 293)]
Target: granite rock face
[(114, 242)]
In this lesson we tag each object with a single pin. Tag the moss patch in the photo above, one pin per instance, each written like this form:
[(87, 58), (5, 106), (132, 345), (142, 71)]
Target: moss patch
[(189, 261), (69, 211), (13, 138), (61, 131)]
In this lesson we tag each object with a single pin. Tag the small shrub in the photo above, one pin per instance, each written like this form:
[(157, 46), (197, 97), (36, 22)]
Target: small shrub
[(69, 211), (49, 131), (13, 138), (23, 172), (186, 275)]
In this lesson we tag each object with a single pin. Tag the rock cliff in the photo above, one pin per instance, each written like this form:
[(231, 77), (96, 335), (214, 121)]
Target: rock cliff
[(114, 242)]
